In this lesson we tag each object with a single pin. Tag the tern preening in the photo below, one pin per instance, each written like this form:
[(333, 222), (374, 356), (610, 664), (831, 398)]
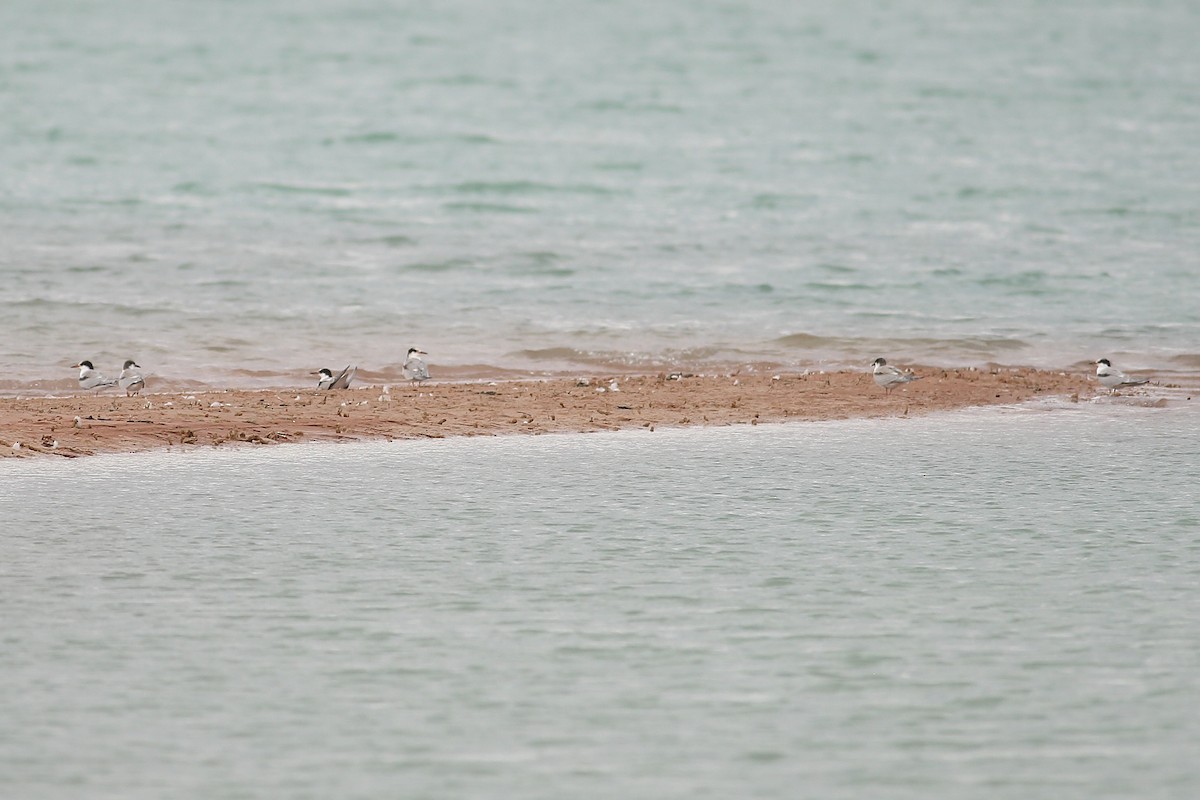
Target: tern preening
[(415, 368), (1112, 378), (131, 379), (342, 381), (888, 376), (90, 378)]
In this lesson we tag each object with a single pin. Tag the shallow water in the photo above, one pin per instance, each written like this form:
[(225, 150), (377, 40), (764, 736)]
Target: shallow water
[(995, 603), (241, 193)]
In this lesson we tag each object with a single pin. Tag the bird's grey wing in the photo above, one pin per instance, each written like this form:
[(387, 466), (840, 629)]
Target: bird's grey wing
[(342, 381)]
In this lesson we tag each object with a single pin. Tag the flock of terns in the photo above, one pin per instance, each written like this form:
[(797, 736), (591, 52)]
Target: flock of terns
[(415, 371), (132, 380), (886, 376), (1111, 378)]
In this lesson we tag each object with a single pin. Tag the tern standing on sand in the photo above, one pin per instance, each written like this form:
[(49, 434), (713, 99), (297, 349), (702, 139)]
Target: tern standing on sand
[(89, 378), (414, 366), (342, 381), (131, 379), (887, 376), (1112, 378)]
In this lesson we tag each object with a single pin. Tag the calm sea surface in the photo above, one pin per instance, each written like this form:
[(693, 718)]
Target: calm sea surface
[(243, 192), (991, 604)]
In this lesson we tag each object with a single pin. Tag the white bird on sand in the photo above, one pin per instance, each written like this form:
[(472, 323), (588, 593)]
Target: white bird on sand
[(1112, 378), (887, 376), (342, 381), (90, 378), (131, 379), (415, 368)]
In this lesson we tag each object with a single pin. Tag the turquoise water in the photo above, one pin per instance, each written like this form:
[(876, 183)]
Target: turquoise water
[(1006, 608), (243, 192)]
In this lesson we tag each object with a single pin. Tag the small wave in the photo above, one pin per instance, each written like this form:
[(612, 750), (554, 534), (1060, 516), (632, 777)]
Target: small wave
[(620, 166), (93, 307), (1186, 360), (297, 188), (543, 263), (118, 202), (489, 208), (770, 201), (809, 341), (1027, 280), (840, 269), (833, 286), (981, 346), (958, 346), (449, 265), (949, 92), (1167, 215), (552, 354), (605, 106), (224, 283), (466, 79), (564, 358), (473, 138), (457, 79), (423, 139), (523, 187), (374, 137), (190, 187)]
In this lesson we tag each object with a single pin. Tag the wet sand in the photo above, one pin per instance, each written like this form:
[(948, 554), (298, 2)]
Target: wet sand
[(107, 422)]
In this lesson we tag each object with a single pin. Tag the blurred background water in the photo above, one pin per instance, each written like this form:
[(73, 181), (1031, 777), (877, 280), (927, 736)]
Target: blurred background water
[(1007, 610), (238, 192)]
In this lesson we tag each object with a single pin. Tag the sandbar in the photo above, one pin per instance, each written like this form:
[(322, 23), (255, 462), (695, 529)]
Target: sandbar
[(87, 424)]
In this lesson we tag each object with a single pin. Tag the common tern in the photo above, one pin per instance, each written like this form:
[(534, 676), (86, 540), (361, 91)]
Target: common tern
[(1112, 378), (342, 381), (888, 376), (131, 379), (89, 378), (415, 368)]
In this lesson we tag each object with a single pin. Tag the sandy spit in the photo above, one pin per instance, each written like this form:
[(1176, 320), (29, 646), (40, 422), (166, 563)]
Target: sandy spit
[(88, 424)]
